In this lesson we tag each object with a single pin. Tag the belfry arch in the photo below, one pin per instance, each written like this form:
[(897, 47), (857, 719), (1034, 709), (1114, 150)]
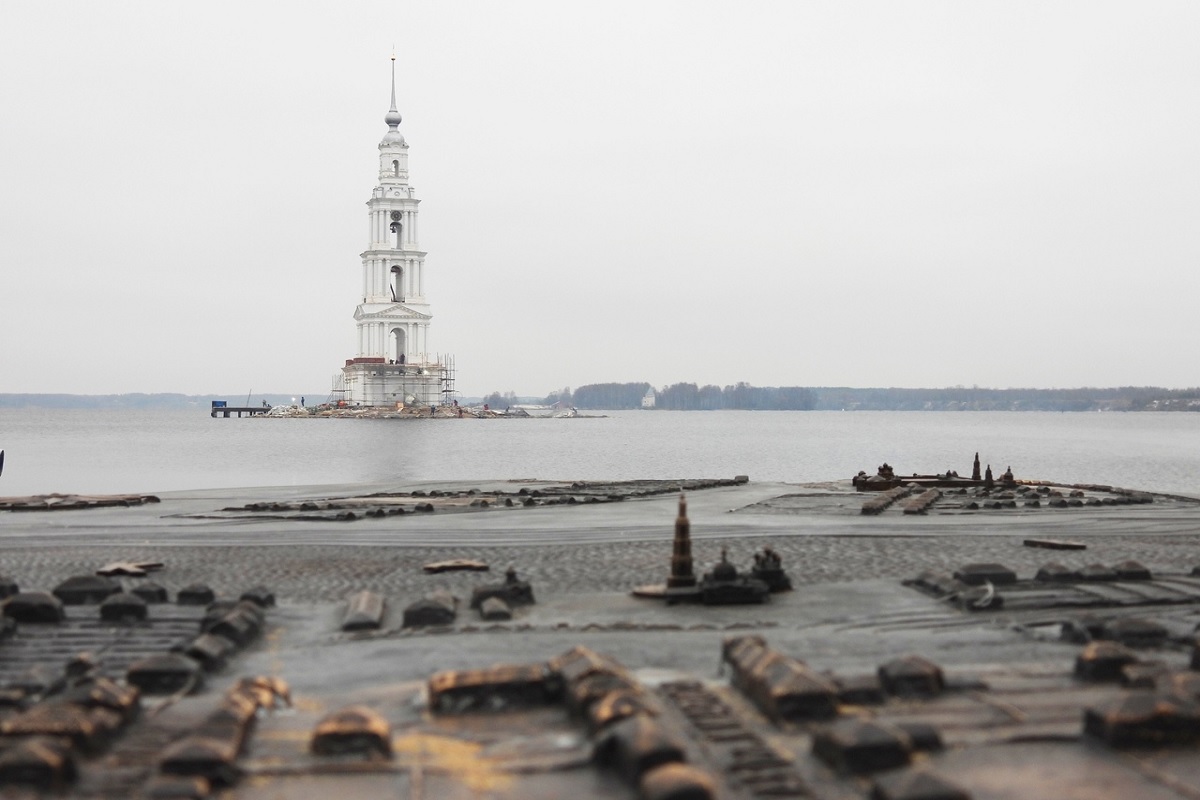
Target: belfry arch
[(398, 283), (399, 342)]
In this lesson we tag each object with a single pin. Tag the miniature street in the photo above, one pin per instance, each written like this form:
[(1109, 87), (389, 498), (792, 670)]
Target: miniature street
[(1069, 658)]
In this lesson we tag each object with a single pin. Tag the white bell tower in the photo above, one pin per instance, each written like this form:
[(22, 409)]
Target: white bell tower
[(393, 363)]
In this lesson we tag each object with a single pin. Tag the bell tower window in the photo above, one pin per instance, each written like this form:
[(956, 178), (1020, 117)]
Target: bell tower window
[(396, 168), (397, 228), (398, 284)]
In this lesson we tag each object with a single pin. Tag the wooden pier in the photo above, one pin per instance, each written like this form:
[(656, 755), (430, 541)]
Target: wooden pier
[(226, 411)]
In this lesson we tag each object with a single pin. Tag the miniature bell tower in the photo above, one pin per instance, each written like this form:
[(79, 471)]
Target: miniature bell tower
[(682, 576)]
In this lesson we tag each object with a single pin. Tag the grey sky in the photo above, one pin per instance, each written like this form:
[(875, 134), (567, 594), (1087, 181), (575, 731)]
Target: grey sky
[(842, 193)]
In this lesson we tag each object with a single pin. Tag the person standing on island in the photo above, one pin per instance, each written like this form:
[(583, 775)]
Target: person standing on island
[(302, 401)]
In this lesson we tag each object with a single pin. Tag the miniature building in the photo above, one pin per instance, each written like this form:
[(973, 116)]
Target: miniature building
[(682, 576), (514, 591), (356, 729), (781, 687), (435, 608), (768, 568), (725, 587), (886, 479), (492, 689)]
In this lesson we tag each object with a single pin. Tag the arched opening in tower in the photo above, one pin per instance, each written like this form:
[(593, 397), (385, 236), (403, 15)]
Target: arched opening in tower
[(398, 284), (398, 345)]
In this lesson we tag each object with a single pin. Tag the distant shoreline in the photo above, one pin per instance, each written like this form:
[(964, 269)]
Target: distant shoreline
[(1127, 398)]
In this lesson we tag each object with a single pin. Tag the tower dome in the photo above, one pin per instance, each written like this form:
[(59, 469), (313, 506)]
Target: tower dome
[(724, 571)]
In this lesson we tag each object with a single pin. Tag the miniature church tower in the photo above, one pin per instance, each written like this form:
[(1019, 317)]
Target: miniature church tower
[(682, 576), (394, 365)]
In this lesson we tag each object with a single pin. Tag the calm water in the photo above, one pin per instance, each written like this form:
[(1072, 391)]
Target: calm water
[(104, 451)]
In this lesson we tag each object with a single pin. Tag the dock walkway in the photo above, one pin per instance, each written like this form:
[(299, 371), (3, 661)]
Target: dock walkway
[(225, 411)]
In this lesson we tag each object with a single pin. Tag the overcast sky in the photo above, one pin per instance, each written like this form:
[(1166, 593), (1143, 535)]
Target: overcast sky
[(915, 194)]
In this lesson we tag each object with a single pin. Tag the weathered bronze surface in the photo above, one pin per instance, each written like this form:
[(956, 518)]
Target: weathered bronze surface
[(356, 730), (435, 608), (133, 569), (195, 594), (364, 611), (607, 696), (495, 609), (166, 673), (123, 607), (513, 591), (858, 746), (636, 745), (682, 576), (676, 781), (912, 676), (915, 784), (783, 688), (151, 592), (34, 607), (38, 762), (81, 589), (492, 689), (209, 650)]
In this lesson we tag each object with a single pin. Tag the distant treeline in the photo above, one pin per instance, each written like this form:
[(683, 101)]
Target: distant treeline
[(743, 396), (677, 397), (962, 398), (690, 397)]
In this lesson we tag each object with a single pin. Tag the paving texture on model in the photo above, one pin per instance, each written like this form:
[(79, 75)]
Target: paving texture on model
[(951, 654)]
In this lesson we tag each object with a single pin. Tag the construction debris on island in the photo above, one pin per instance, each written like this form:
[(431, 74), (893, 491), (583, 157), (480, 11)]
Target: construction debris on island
[(402, 411)]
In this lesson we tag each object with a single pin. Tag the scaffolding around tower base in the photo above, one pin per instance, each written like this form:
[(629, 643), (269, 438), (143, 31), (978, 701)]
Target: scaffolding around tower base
[(376, 382)]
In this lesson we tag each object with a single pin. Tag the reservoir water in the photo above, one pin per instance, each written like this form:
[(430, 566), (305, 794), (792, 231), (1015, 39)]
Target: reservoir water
[(89, 451)]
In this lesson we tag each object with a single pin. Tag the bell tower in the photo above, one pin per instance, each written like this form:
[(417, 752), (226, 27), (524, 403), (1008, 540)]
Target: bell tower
[(393, 362)]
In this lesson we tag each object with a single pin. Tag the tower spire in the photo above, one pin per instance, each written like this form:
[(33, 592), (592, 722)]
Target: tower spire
[(393, 108), (393, 118)]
